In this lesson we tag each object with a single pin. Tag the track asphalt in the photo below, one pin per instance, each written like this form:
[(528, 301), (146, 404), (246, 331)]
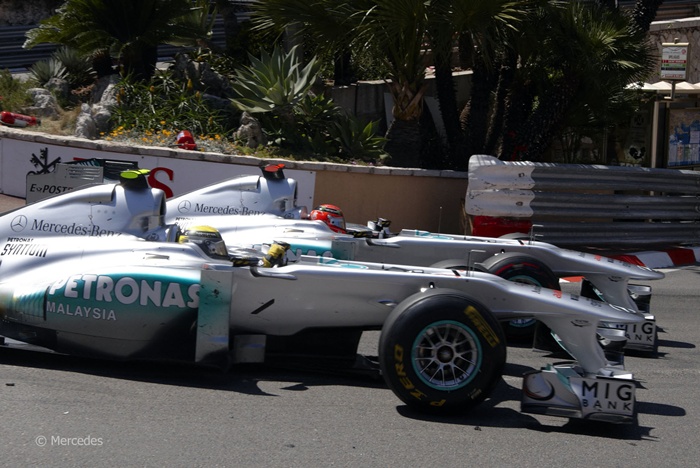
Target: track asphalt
[(662, 258)]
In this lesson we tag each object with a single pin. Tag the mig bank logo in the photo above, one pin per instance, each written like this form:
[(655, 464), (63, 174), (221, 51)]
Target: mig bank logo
[(19, 223)]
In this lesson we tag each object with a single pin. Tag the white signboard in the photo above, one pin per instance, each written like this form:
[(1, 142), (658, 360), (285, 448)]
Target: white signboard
[(19, 158), (674, 61)]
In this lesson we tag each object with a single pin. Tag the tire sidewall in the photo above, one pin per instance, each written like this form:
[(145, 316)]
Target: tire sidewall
[(404, 328), (524, 269)]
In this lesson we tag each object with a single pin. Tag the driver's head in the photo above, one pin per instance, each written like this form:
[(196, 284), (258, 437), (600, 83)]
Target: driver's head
[(331, 215), (207, 238)]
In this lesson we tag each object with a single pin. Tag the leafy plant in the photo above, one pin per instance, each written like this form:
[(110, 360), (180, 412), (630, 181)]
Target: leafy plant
[(129, 30), (276, 88), (13, 92), (274, 82), (358, 140), (164, 103), (79, 71), (44, 70)]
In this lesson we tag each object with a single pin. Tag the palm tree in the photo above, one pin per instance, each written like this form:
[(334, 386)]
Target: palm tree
[(587, 55), (129, 30), (396, 27), (482, 26)]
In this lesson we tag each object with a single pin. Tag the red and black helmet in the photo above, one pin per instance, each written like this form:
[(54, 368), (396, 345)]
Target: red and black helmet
[(331, 215)]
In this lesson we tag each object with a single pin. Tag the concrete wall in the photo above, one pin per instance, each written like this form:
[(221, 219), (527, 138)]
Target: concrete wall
[(410, 198), (429, 200), (369, 100)]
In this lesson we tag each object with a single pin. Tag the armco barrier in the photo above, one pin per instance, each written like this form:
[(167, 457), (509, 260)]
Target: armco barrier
[(578, 205)]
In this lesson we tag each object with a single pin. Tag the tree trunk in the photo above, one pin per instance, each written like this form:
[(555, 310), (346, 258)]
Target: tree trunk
[(227, 10), (517, 109), (442, 44), (506, 77), (645, 12), (537, 134), (404, 143), (475, 116)]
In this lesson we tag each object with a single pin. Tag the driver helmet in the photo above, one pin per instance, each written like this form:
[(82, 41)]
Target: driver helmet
[(331, 215), (207, 238)]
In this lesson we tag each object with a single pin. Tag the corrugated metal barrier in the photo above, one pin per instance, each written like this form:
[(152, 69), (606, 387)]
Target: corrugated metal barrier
[(575, 205)]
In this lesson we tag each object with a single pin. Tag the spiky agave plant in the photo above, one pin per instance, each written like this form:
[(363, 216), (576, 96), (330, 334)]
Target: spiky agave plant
[(274, 82)]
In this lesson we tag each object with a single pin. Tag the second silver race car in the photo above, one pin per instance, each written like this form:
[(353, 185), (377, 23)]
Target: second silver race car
[(86, 285)]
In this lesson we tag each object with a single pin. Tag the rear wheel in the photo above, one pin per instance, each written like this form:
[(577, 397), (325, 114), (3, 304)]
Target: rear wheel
[(521, 269), (440, 351)]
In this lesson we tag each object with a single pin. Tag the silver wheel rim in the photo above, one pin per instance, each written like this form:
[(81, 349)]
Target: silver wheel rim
[(446, 355)]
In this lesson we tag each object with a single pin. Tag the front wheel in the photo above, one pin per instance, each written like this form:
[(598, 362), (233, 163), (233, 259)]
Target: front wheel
[(521, 269), (441, 351)]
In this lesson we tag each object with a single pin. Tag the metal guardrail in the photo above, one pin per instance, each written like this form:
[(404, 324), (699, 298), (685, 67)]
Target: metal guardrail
[(13, 56), (16, 58), (574, 205)]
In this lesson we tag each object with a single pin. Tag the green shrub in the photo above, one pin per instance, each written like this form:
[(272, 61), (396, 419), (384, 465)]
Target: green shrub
[(45, 70), (276, 90), (13, 92), (78, 68), (163, 103)]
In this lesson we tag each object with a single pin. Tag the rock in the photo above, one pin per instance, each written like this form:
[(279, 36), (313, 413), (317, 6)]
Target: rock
[(44, 105), (250, 132), (85, 125), (59, 88), (105, 90), (102, 116)]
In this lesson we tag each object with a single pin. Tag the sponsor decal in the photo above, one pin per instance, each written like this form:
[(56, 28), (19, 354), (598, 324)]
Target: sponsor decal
[(50, 189), (75, 229), (24, 246), (481, 325), (42, 163), (605, 395), (155, 183), (639, 333), (19, 223), (184, 206), (93, 296), (226, 210), (80, 311), (401, 374)]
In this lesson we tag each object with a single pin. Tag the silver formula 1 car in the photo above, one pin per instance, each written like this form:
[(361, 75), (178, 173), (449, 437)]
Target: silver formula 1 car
[(85, 285), (227, 206), (254, 211)]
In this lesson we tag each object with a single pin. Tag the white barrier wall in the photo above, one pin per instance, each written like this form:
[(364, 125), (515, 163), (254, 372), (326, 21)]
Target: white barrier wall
[(430, 200), (176, 172)]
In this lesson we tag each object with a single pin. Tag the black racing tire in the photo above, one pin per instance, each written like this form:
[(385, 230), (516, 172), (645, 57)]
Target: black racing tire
[(441, 352), (521, 268)]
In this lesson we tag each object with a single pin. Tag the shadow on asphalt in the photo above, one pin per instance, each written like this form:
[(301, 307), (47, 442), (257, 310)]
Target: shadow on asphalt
[(244, 379)]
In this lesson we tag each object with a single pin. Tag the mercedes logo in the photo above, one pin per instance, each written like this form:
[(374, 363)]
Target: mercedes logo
[(18, 223), (184, 206)]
